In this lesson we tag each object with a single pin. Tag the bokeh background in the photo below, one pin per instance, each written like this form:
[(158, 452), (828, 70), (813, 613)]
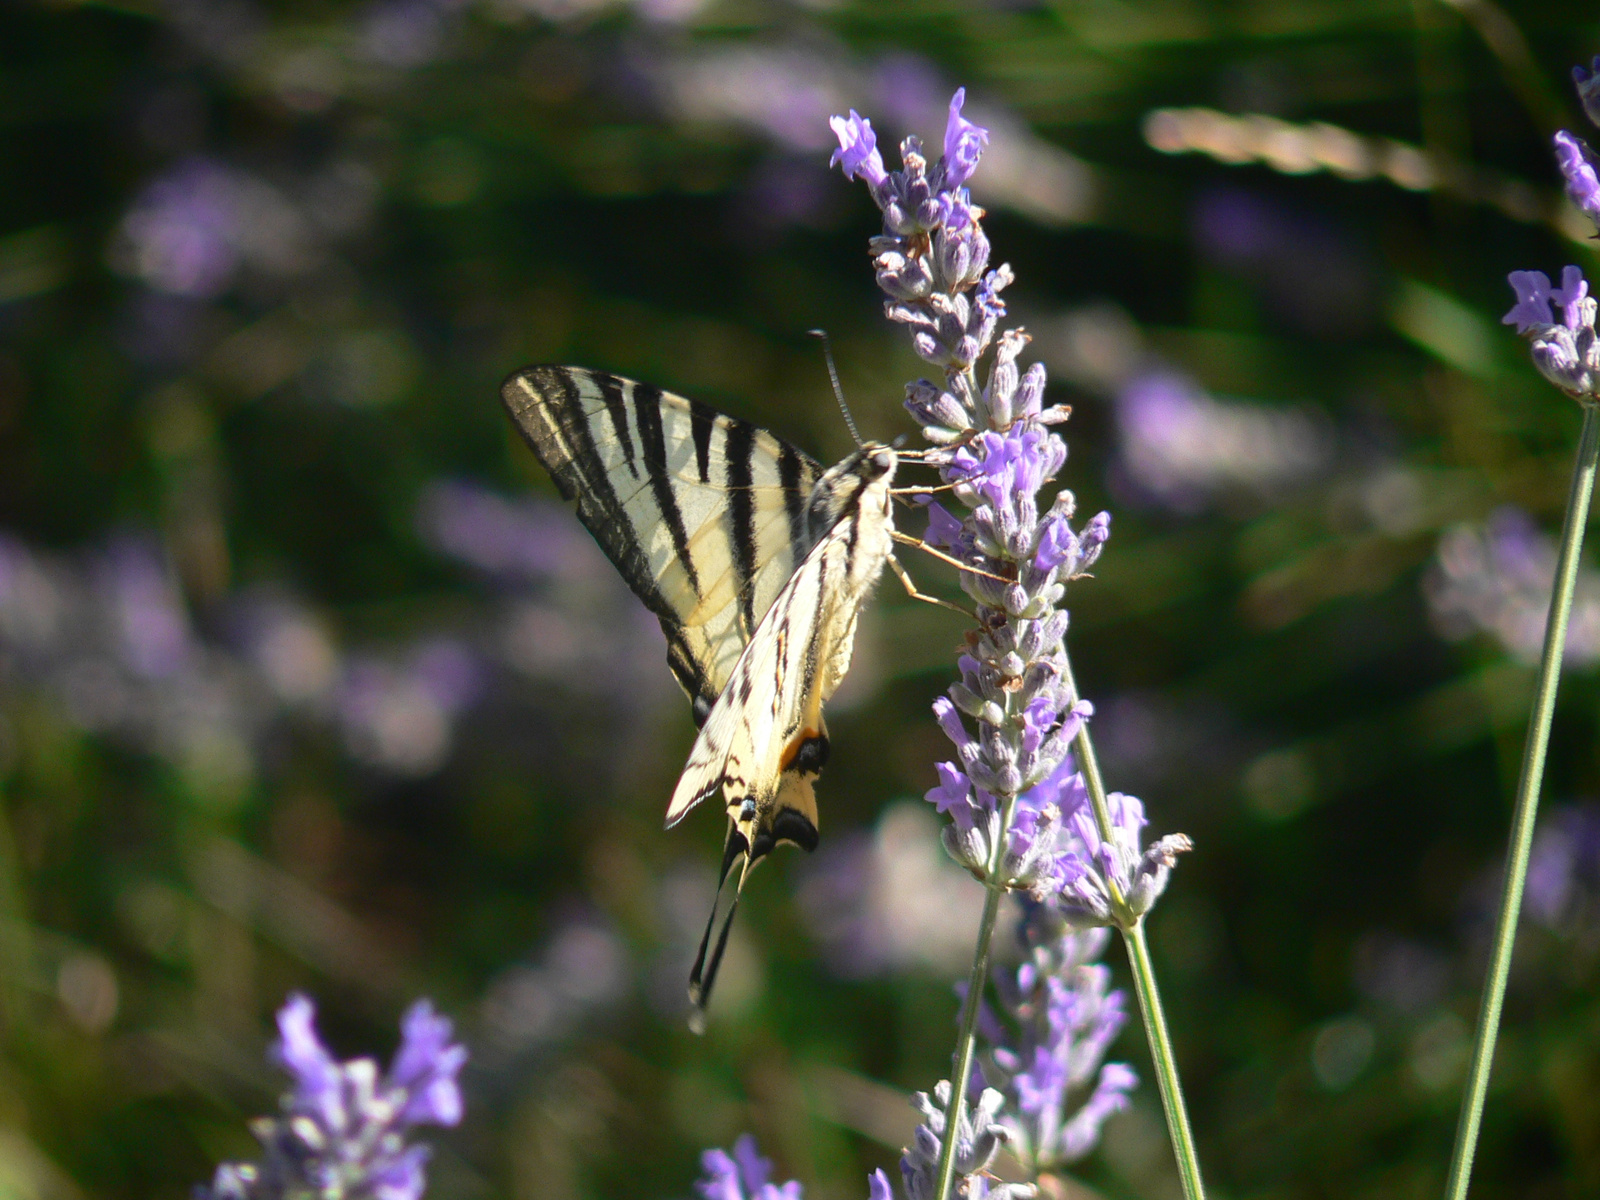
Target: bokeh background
[(307, 681)]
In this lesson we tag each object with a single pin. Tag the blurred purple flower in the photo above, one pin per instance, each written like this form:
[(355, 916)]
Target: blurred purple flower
[(1058, 1016), (890, 899), (1588, 85), (1496, 579), (1309, 273), (344, 1127), (192, 230), (524, 541), (399, 716), (743, 1175), (181, 235), (1181, 447), (151, 622), (1563, 884), (402, 33)]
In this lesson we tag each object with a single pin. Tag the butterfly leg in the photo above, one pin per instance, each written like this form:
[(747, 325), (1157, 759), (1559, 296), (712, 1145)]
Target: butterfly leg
[(908, 540), (911, 590)]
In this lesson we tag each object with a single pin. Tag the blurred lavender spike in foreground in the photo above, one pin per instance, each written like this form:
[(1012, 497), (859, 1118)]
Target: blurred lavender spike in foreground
[(342, 1133), (742, 1175), (1058, 1015)]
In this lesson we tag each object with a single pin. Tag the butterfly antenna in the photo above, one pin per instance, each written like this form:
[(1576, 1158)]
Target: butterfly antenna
[(833, 377)]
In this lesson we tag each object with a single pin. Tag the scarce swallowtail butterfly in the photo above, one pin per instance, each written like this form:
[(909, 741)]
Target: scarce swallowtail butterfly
[(757, 562)]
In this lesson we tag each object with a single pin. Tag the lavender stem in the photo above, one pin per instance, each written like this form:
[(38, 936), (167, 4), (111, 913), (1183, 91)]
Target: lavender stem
[(1527, 805), (1144, 975), (994, 890)]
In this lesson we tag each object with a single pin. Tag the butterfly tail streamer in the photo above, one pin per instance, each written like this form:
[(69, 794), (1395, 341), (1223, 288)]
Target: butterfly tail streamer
[(702, 977)]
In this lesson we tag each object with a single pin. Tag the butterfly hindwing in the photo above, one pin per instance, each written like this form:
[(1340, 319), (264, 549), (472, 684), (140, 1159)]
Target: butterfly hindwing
[(767, 724)]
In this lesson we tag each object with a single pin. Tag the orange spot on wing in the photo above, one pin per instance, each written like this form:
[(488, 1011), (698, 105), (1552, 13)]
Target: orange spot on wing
[(792, 750)]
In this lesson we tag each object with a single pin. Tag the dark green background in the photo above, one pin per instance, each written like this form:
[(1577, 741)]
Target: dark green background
[(597, 184)]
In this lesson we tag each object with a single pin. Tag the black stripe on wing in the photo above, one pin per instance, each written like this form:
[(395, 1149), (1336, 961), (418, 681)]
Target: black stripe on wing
[(652, 439), (738, 449)]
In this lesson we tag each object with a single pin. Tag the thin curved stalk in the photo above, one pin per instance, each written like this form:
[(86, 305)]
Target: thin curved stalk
[(1527, 806)]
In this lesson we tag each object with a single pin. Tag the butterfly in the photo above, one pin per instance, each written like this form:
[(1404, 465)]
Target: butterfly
[(756, 560)]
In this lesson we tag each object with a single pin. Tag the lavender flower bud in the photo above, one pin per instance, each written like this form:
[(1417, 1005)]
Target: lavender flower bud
[(931, 406), (903, 278), (1150, 879), (969, 847)]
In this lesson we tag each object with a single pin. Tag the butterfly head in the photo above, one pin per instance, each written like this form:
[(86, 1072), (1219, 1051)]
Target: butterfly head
[(877, 461)]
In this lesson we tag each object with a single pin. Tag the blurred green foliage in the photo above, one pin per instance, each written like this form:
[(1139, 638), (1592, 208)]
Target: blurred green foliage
[(298, 690)]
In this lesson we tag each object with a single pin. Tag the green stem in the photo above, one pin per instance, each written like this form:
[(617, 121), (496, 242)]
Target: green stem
[(1144, 976), (995, 889), (1527, 806), (1155, 1024)]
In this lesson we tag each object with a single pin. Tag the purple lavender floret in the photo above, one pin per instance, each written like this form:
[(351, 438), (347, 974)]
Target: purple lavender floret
[(1046, 1046), (342, 1135), (1579, 169), (1098, 871), (858, 149), (1567, 352), (1588, 85), (963, 143), (742, 1175)]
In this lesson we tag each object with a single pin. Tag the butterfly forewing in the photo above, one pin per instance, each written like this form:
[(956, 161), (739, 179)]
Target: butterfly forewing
[(702, 513)]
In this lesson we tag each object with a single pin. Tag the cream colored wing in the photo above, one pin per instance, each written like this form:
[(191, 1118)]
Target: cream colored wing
[(704, 514)]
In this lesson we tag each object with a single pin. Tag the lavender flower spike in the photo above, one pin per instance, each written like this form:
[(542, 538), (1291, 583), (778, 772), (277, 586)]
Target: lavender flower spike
[(342, 1135), (742, 1175), (1015, 800), (1058, 1016)]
